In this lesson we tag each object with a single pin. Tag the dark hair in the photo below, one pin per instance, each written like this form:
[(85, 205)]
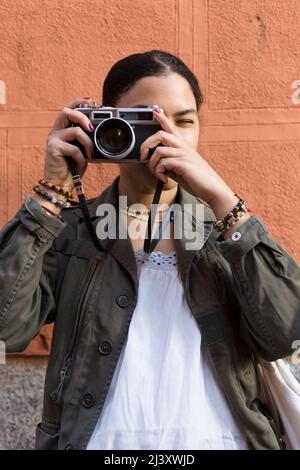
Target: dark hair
[(127, 71)]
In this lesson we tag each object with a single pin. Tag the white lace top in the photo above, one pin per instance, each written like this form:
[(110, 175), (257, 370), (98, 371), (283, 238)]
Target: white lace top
[(163, 393)]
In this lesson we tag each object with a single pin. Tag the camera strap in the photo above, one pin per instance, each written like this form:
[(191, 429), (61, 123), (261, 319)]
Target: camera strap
[(149, 243), (82, 202)]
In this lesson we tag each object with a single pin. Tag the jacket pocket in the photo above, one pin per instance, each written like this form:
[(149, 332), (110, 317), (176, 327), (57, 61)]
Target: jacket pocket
[(272, 417), (46, 436), (64, 373)]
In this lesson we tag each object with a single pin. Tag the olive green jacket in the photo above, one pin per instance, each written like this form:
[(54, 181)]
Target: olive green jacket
[(244, 293)]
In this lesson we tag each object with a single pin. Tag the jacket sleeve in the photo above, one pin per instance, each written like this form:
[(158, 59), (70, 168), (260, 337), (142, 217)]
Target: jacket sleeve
[(267, 284), (28, 270)]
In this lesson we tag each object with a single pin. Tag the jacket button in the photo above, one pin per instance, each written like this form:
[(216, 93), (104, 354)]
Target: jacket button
[(236, 236), (69, 447), (88, 400), (105, 347), (122, 300)]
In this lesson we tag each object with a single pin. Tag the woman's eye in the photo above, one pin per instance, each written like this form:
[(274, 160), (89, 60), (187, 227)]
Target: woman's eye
[(185, 121)]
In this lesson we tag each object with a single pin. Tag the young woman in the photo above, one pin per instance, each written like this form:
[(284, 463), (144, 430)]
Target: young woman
[(153, 351)]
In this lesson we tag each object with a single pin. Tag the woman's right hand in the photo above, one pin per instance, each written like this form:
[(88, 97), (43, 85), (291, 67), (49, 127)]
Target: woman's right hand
[(56, 168)]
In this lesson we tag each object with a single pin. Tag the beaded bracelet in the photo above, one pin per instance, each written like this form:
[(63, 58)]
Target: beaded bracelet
[(51, 212), (56, 188), (49, 197), (233, 216), (222, 227)]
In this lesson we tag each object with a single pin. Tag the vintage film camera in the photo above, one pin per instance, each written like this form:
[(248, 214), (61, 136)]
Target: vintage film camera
[(118, 132)]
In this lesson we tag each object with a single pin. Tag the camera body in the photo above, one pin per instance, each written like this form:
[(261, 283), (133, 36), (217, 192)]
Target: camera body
[(118, 132)]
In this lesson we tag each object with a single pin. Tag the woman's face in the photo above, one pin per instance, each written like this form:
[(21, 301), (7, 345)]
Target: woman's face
[(173, 94)]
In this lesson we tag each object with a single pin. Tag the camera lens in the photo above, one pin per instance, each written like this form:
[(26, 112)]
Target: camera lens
[(114, 138)]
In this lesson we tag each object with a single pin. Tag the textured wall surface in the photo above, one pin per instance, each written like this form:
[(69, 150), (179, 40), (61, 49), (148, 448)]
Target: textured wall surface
[(245, 54), (21, 399)]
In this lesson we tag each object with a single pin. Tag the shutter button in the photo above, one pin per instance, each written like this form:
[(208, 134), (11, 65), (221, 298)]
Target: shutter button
[(236, 236)]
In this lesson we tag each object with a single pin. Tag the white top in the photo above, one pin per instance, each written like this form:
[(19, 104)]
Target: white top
[(164, 394)]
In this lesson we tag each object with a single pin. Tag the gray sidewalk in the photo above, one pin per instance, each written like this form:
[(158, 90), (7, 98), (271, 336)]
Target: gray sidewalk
[(21, 399)]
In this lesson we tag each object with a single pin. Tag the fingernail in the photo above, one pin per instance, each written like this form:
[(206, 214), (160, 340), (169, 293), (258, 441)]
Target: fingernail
[(156, 109), (91, 127)]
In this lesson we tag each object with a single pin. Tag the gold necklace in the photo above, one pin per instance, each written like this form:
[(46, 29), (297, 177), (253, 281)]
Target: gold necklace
[(139, 214)]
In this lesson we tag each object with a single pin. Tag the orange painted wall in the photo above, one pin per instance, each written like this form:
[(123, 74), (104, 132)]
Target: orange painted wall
[(244, 52)]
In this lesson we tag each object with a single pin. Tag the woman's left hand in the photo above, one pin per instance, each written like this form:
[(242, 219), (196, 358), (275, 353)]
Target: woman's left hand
[(175, 158)]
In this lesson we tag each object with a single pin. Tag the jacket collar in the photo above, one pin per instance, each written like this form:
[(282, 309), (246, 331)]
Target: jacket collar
[(198, 221)]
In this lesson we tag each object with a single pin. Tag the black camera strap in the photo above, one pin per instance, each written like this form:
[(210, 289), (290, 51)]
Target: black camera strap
[(149, 244), (82, 202)]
